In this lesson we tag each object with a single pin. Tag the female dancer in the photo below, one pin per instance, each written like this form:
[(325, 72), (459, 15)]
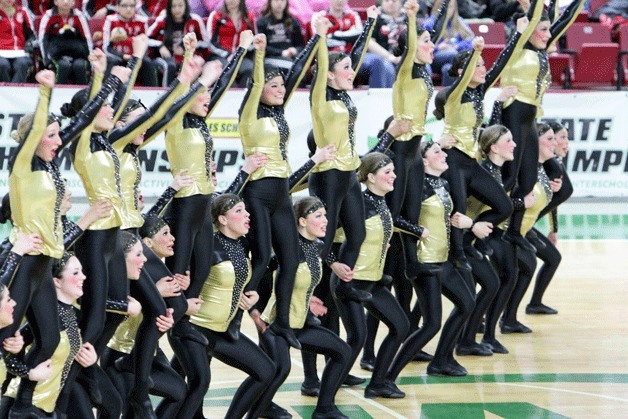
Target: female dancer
[(436, 216), (377, 173), (549, 254), (313, 338), (33, 172), (528, 70), (222, 293), (335, 182), (189, 146), (462, 107), (527, 259), (263, 128), (497, 145)]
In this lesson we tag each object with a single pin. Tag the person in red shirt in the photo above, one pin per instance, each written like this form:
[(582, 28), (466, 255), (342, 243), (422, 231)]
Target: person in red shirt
[(65, 42), (224, 27), (16, 29), (118, 33), (170, 30)]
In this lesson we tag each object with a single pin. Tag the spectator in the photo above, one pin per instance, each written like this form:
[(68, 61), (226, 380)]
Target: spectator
[(503, 10), (284, 39), (99, 8), (65, 42), (390, 24), (345, 28), (457, 36), (37, 7), (224, 27), (118, 33), (16, 31), (170, 29), (152, 8)]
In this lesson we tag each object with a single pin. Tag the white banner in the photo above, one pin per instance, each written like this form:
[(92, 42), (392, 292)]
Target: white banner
[(598, 124)]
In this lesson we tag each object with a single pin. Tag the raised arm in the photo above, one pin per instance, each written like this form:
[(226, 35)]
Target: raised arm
[(140, 45), (404, 70), (248, 110), (440, 22), (360, 46), (565, 20), (302, 62), (498, 66), (460, 84)]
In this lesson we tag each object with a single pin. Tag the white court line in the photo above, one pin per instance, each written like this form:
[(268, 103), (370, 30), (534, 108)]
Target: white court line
[(582, 393), (373, 403)]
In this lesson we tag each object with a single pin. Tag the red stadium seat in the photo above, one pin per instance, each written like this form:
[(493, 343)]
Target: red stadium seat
[(591, 32), (622, 60), (493, 33), (594, 63), (583, 16), (559, 63)]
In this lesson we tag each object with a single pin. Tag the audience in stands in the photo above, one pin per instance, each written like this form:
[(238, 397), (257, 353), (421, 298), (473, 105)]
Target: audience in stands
[(284, 39), (390, 24), (504, 10), (224, 27), (457, 36), (37, 7), (170, 29), (16, 31), (118, 33), (65, 42), (346, 27)]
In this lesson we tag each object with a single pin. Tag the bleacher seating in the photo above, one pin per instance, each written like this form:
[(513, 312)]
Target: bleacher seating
[(622, 60), (493, 33)]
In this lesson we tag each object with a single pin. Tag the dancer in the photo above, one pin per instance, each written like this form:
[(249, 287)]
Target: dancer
[(528, 70), (335, 182), (263, 128), (549, 254), (222, 293), (314, 338), (435, 271), (527, 259)]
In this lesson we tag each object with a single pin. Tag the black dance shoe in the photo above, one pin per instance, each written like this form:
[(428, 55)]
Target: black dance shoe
[(332, 413), (286, 333), (352, 380), (29, 412), (183, 330), (496, 346), (473, 349), (517, 327), (422, 356), (274, 411), (386, 390), (445, 371), (311, 389), (367, 364), (519, 240), (534, 240), (483, 247), (346, 291), (540, 309)]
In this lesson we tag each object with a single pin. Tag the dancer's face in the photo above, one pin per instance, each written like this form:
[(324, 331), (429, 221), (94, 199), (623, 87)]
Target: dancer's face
[(382, 181), (436, 160), (49, 143), (6, 308), (104, 118), (479, 73), (424, 49), (342, 75), (162, 243), (70, 285), (274, 92), (562, 143), (315, 224), (547, 144), (504, 147), (541, 35), (135, 260), (201, 104), (236, 222)]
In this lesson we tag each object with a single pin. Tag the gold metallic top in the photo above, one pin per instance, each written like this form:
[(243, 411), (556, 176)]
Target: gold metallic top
[(124, 338), (3, 371), (543, 194), (435, 212), (334, 113), (34, 193), (263, 128), (460, 117), (378, 224), (412, 89), (130, 171)]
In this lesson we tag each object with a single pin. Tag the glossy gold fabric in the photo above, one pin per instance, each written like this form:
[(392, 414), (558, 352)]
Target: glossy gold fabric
[(460, 118), (3, 371), (33, 193), (370, 266), (532, 213), (219, 302), (300, 300), (410, 95), (435, 248), (124, 338), (46, 393)]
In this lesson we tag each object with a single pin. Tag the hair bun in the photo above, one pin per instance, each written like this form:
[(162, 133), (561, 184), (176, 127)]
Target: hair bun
[(67, 110)]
